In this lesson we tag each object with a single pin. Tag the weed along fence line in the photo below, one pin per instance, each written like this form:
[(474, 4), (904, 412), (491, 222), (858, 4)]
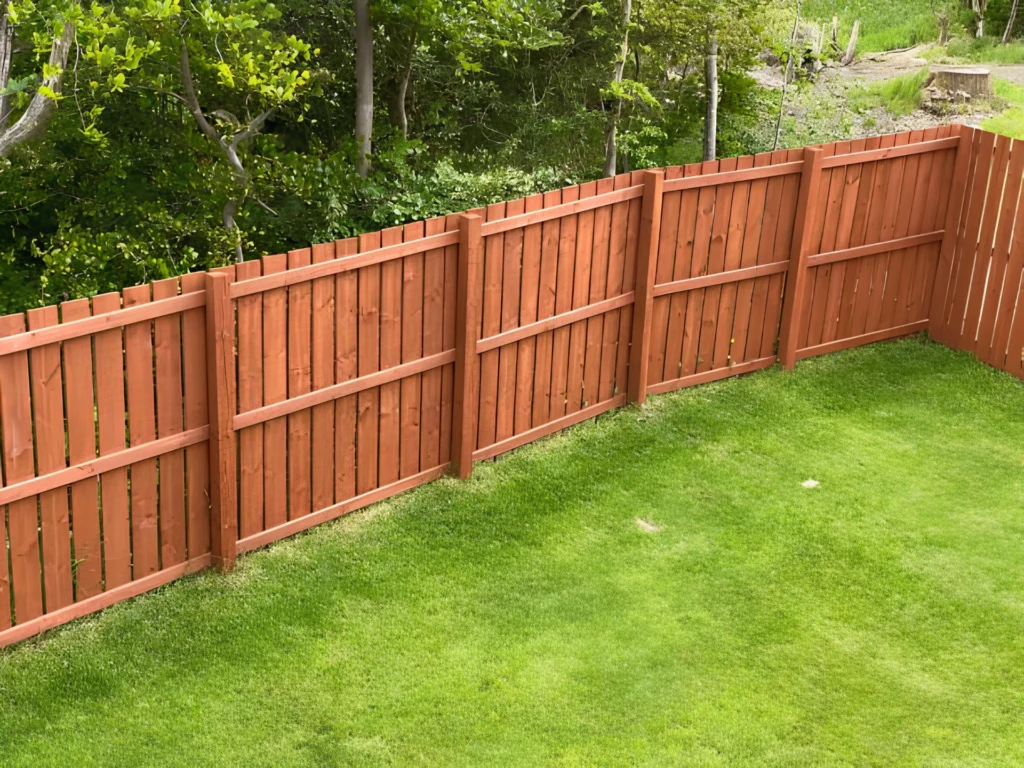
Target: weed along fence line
[(155, 432)]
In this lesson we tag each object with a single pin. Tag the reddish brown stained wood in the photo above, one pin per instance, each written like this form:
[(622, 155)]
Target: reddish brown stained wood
[(758, 325), (783, 245), (959, 202), (101, 601), (275, 390), (91, 468), (646, 263), (390, 356), (623, 344), (881, 204), (138, 364), (22, 518), (984, 258), (250, 396), (563, 303), (170, 421), (844, 232), (550, 237), (695, 213), (510, 443), (943, 169), (904, 265), (48, 418), (346, 367), (748, 258), (368, 403), (508, 357), (220, 364), (528, 307), (597, 291), (1001, 355), (732, 260), (468, 300), (889, 152), (370, 256), (708, 328), (889, 265), (322, 417), (451, 268), (81, 426), (1015, 350), (611, 332), (300, 381), (103, 322), (582, 268), (665, 258), (490, 321), (712, 375), (298, 525), (823, 238), (861, 213), (197, 457), (411, 349), (796, 284), (967, 243), (718, 178), (433, 343)]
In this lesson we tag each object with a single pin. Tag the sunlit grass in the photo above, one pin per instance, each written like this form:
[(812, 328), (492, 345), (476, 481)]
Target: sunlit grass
[(1011, 121), (900, 96), (885, 24), (526, 618)]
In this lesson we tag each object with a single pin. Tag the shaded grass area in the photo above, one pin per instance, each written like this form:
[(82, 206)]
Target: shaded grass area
[(524, 618), (900, 95), (886, 25)]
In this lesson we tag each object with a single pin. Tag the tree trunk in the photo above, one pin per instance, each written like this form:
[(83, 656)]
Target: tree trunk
[(6, 44), (610, 134), (943, 30), (1008, 32), (34, 120), (403, 83), (851, 47), (711, 111), (364, 86)]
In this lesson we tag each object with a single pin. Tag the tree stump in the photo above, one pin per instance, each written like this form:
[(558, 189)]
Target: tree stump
[(973, 81)]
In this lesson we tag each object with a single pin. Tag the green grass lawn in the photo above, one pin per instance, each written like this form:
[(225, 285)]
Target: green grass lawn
[(525, 618), (1010, 122)]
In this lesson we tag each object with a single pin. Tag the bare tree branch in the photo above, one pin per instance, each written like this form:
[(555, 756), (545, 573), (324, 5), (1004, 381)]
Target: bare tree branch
[(35, 118)]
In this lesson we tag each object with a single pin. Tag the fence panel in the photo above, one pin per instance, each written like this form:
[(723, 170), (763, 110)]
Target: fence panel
[(979, 289), (350, 371)]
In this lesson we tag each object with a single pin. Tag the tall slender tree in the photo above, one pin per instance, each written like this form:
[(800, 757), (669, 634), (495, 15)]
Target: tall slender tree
[(364, 86)]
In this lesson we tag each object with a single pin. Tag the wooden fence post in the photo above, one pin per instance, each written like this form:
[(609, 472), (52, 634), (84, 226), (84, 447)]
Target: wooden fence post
[(796, 282), (220, 356), (467, 323), (643, 301), (954, 211)]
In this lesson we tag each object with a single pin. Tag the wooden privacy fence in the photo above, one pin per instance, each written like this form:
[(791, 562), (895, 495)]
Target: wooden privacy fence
[(153, 433)]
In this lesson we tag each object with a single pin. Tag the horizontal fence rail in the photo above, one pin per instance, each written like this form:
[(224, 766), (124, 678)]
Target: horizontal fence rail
[(156, 432)]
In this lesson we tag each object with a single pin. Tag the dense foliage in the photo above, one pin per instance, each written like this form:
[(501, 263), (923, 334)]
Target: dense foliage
[(131, 179), (176, 135)]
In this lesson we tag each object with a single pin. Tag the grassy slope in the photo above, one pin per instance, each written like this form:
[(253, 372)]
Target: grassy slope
[(523, 618), (885, 24), (1011, 121)]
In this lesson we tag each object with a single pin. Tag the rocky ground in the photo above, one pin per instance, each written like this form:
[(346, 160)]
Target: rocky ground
[(832, 83)]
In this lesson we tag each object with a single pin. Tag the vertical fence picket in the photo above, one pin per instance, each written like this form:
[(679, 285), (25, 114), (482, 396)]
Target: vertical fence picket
[(646, 261), (470, 288)]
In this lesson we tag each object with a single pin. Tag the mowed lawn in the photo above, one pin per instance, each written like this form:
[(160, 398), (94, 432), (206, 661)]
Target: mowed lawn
[(525, 618)]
